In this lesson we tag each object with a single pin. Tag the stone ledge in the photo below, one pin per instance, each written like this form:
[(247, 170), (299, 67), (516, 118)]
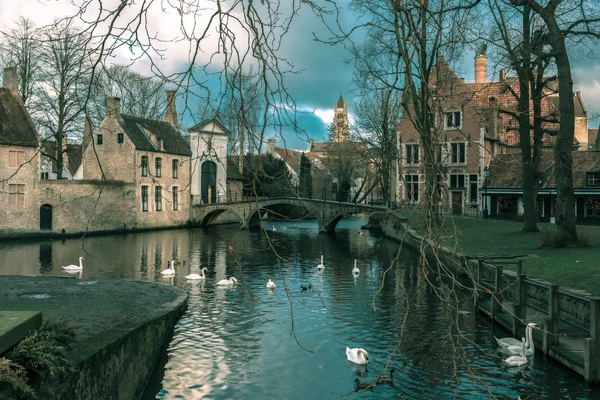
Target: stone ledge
[(16, 325)]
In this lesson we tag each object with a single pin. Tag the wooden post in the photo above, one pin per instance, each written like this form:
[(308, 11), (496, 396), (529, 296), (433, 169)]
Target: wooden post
[(551, 324), (589, 373), (594, 346), (497, 298), (478, 278), (519, 308)]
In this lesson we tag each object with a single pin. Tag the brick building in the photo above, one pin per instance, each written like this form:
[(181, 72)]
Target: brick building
[(474, 125)]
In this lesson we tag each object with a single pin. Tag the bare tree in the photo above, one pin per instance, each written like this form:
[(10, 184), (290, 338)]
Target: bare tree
[(19, 48), (61, 91)]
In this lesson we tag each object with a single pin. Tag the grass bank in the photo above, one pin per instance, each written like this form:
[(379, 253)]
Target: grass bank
[(575, 268)]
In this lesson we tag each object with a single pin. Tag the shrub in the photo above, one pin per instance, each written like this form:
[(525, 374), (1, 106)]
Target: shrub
[(13, 381), (549, 239)]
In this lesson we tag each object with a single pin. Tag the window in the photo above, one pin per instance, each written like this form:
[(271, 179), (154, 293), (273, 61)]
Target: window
[(145, 198), (412, 187), (119, 138), (593, 179), (175, 198), (457, 181), (412, 154), (158, 164), (144, 165), (458, 153), (16, 159), (44, 175), (473, 188), (453, 120), (157, 198), (16, 197), (592, 207), (175, 169), (99, 139)]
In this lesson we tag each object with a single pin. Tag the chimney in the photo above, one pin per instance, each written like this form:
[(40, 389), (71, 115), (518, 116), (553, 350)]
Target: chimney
[(11, 82), (113, 106), (502, 75), (87, 132), (493, 117), (270, 146), (480, 69), (171, 113)]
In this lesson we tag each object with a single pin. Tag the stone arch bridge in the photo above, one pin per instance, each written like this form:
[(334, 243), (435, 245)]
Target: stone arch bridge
[(327, 213)]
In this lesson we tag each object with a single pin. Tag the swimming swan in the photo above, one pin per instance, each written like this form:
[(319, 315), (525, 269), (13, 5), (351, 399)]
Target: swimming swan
[(529, 345), (355, 270), (508, 341), (321, 267), (196, 276), (169, 271), (357, 356), (517, 361), (227, 282), (271, 285), (73, 267)]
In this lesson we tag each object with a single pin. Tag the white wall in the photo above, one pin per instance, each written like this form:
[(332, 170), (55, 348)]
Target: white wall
[(218, 154)]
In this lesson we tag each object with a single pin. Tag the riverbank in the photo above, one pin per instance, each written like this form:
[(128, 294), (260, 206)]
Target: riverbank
[(489, 239), (121, 327)]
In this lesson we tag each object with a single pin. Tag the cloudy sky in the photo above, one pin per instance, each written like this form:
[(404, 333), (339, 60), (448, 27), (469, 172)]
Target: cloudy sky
[(325, 73)]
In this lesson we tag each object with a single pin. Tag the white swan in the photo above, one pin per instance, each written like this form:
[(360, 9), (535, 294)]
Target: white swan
[(321, 267), (271, 285), (169, 271), (357, 356), (355, 270), (227, 282), (529, 345), (517, 361), (196, 276), (73, 267), (505, 342)]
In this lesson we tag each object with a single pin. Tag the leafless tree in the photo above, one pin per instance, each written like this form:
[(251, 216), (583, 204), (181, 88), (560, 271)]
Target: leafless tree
[(61, 90), (19, 48)]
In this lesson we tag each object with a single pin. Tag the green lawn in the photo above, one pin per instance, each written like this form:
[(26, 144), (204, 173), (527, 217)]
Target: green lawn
[(575, 268)]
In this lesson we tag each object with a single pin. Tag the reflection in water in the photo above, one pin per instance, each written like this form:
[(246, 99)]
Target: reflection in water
[(236, 342)]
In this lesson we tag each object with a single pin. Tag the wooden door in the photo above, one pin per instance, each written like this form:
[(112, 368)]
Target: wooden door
[(457, 200)]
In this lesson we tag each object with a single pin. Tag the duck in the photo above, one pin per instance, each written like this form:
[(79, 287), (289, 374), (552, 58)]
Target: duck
[(357, 355), (169, 271), (321, 267), (271, 285), (305, 288), (196, 276), (358, 385), (355, 270), (529, 345), (73, 267), (227, 282), (388, 380), (508, 341), (517, 361)]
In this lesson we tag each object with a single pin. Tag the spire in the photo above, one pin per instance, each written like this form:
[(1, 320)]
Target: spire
[(340, 102)]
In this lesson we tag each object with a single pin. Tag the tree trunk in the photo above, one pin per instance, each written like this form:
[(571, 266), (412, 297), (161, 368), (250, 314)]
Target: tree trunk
[(566, 232)]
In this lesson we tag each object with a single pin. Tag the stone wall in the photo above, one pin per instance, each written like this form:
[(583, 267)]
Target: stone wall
[(79, 206), (120, 370)]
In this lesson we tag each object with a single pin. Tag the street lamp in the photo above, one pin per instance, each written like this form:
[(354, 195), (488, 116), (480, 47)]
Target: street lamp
[(485, 202)]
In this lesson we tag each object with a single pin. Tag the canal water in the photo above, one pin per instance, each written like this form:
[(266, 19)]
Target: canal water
[(247, 342)]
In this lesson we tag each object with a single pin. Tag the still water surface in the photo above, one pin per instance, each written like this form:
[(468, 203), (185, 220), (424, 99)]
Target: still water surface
[(247, 342)]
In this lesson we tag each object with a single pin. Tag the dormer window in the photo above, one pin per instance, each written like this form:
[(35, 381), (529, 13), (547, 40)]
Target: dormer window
[(453, 120), (593, 179)]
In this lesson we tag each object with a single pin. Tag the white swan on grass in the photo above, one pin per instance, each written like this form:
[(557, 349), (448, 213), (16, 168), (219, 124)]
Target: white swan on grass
[(169, 271), (357, 355), (517, 361), (508, 341), (227, 282), (529, 345), (196, 276), (271, 285), (321, 267), (355, 270), (73, 267)]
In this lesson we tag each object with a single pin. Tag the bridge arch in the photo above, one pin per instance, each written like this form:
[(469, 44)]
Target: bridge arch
[(268, 205)]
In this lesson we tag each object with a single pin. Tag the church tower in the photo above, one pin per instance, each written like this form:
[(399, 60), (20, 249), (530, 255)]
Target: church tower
[(340, 129)]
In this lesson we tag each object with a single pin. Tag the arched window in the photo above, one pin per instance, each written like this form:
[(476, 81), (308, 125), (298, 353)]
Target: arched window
[(209, 182)]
